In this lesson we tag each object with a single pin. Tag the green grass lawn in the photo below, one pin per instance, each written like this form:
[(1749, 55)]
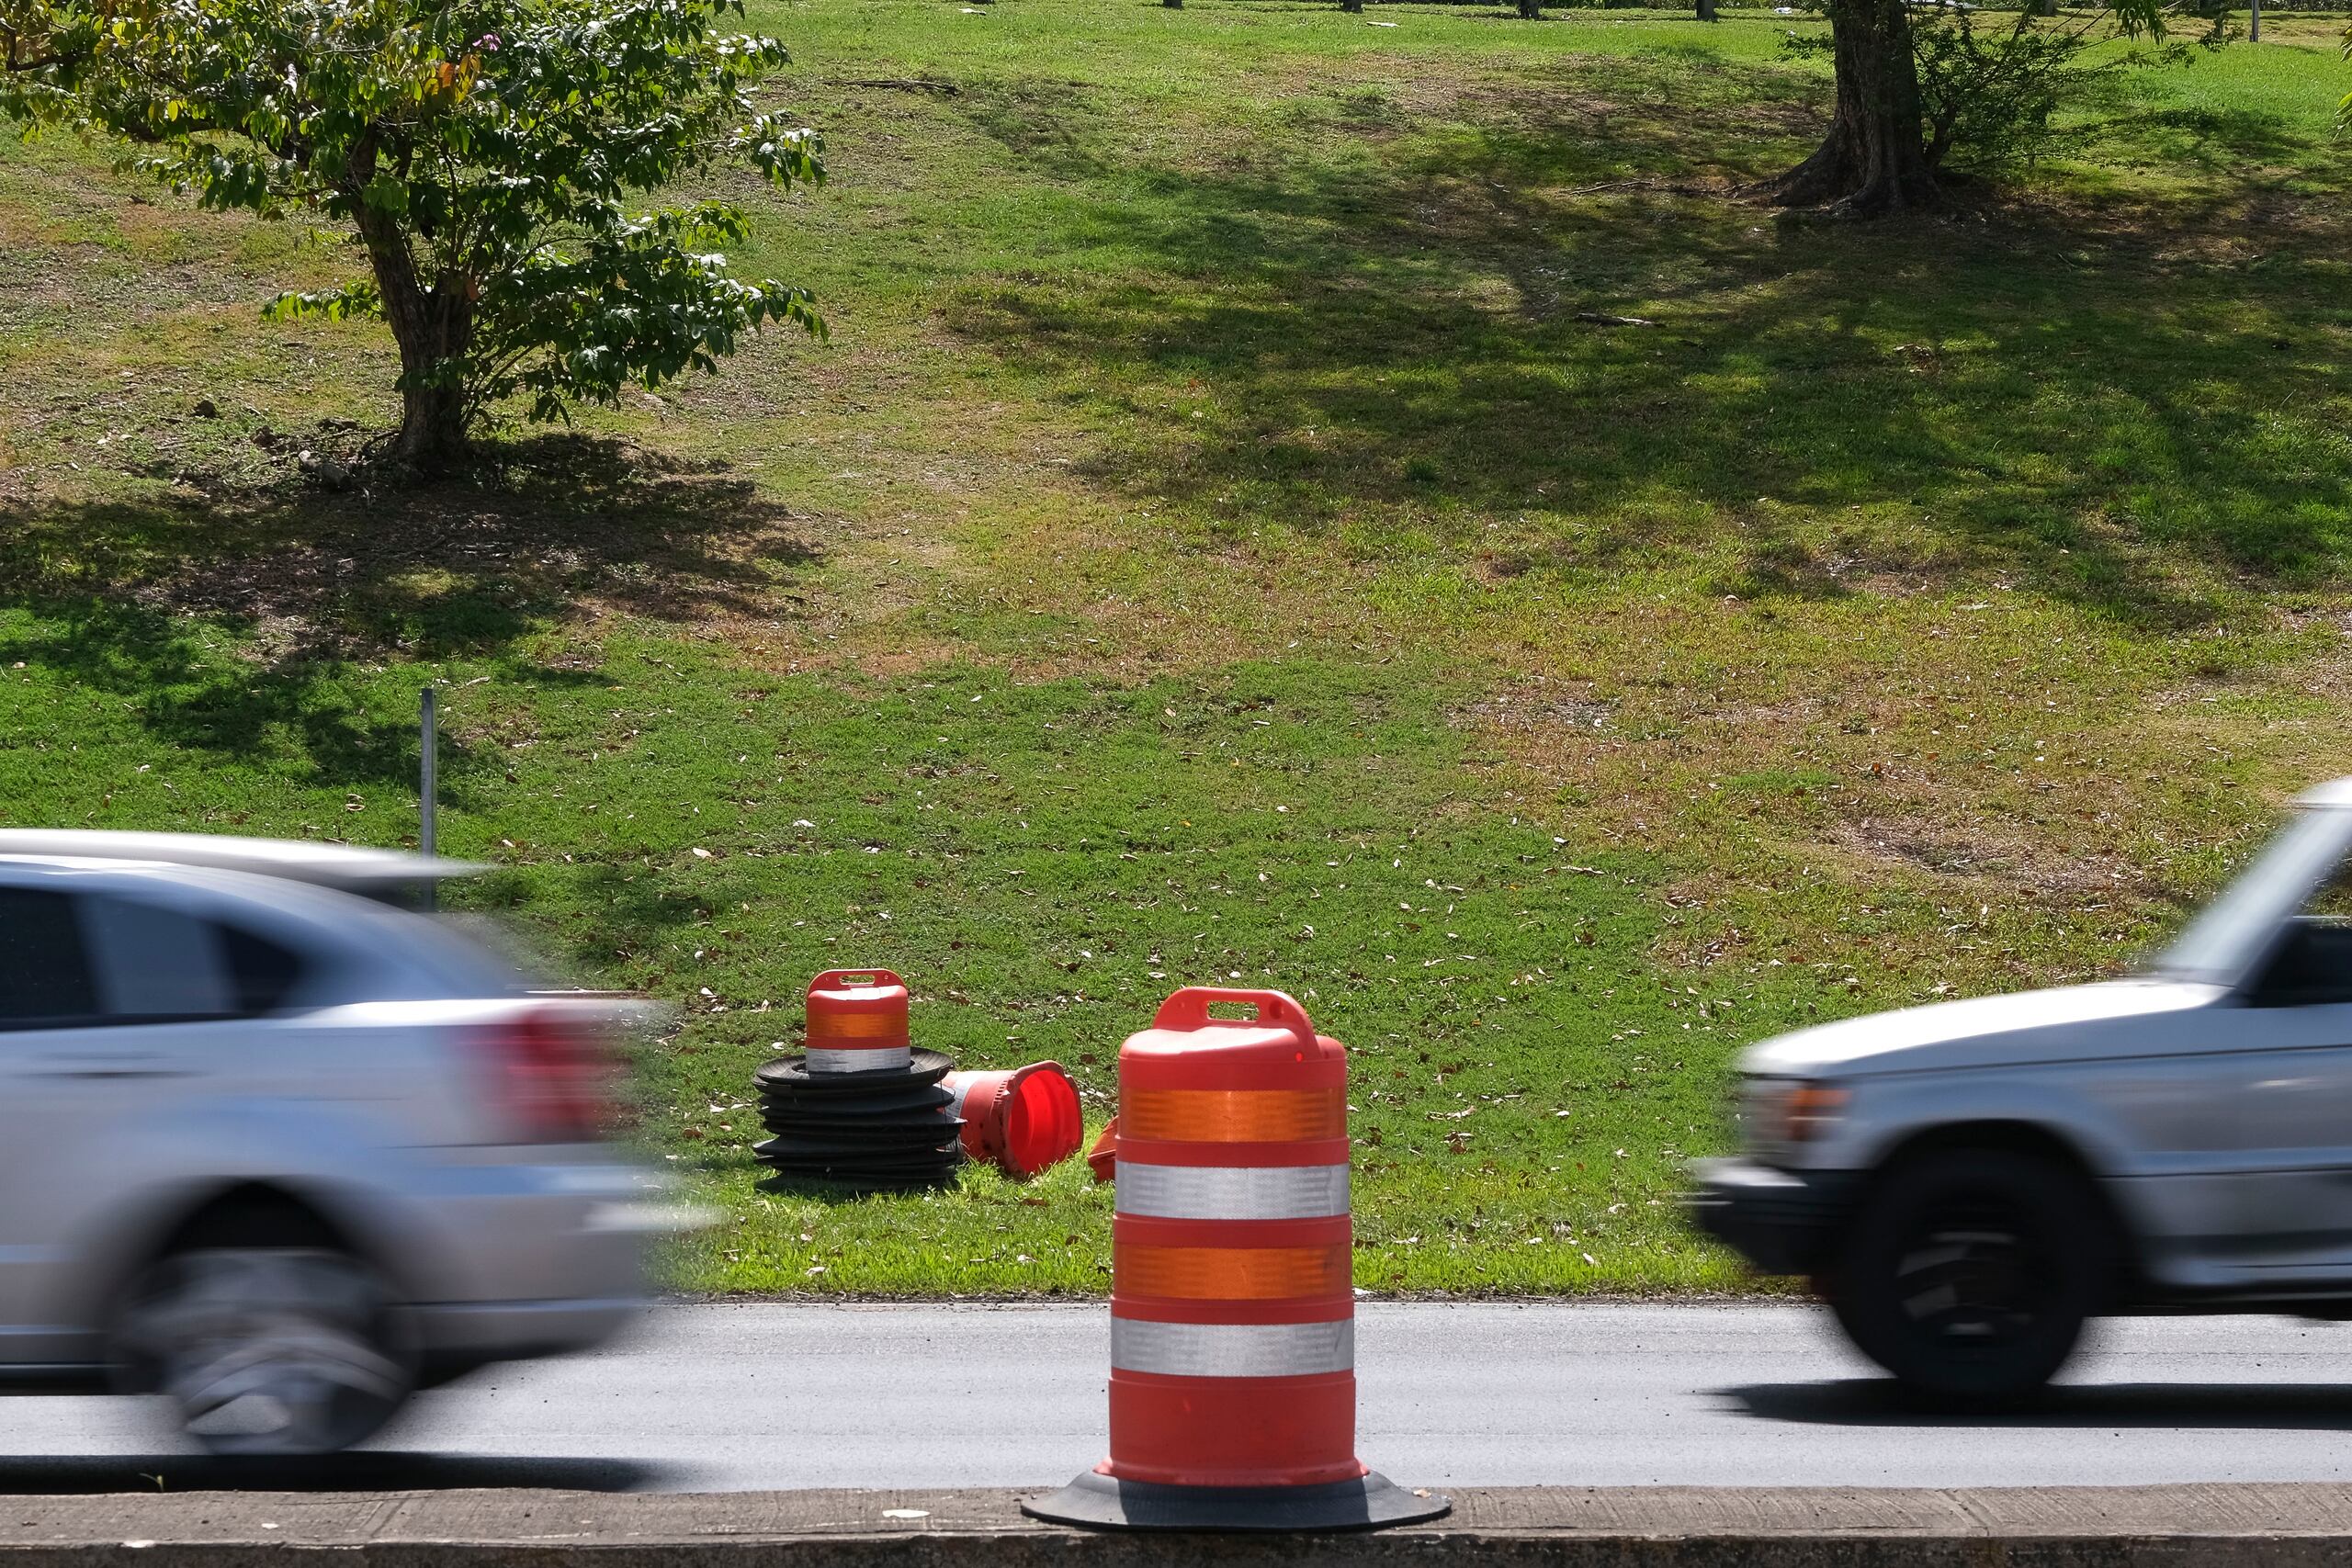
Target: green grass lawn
[(1217, 545)]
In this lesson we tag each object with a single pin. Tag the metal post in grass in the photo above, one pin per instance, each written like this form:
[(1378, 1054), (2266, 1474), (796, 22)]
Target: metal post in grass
[(426, 787)]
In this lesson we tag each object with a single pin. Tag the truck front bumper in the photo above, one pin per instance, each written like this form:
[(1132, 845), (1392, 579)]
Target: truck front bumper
[(1784, 1221)]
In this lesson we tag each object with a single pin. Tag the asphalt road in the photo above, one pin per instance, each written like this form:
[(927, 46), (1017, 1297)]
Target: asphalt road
[(726, 1397)]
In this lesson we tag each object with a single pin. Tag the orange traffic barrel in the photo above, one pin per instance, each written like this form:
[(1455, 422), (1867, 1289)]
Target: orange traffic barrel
[(1233, 1387), (857, 1022), (1022, 1121)]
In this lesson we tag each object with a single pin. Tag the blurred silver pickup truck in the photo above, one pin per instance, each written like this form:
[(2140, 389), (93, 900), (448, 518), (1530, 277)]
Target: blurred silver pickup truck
[(1967, 1183)]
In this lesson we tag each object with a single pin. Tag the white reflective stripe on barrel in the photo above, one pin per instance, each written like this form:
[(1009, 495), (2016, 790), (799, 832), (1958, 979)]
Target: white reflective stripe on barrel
[(1233, 1350), (889, 1058), (1232, 1192)]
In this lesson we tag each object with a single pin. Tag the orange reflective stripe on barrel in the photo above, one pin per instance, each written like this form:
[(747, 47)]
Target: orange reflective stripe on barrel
[(1230, 1273), (1232, 1116), (828, 1028)]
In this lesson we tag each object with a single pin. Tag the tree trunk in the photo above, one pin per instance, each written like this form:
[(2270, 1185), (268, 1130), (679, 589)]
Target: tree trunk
[(1532, 9), (1354, 7), (433, 326), (433, 427), (1707, 11), (1874, 158)]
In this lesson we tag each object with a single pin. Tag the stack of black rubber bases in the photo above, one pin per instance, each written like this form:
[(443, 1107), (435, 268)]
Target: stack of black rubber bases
[(861, 1106)]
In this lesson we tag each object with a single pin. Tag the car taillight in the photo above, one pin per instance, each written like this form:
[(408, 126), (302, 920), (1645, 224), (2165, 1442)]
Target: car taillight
[(551, 1075)]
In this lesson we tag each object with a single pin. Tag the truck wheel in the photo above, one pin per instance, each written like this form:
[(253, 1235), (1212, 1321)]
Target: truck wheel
[(1970, 1274), (276, 1350)]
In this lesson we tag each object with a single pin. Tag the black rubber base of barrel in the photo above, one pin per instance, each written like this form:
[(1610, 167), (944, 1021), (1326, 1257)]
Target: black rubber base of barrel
[(902, 1109), (1372, 1502), (822, 1161), (790, 1078), (935, 1128), (801, 1181), (892, 1130)]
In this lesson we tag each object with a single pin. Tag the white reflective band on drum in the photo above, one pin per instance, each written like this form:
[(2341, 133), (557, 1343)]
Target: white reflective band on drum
[(1232, 1192), (1233, 1350), (894, 1057)]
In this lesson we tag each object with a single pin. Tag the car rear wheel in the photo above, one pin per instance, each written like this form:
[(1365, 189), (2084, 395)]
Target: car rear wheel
[(1970, 1274), (268, 1350)]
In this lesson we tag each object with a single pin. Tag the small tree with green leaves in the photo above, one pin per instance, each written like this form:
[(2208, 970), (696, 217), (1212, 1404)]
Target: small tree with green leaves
[(1992, 84), (488, 157)]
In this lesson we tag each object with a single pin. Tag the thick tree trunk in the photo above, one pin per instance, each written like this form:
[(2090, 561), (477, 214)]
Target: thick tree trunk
[(433, 427), (1353, 7), (1874, 158), (432, 325), (1707, 11), (1532, 9)]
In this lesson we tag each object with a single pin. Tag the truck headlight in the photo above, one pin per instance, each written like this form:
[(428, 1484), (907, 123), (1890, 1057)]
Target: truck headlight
[(1788, 1113)]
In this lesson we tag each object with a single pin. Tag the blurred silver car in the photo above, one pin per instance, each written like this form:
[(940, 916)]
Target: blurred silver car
[(1967, 1183), (281, 1149)]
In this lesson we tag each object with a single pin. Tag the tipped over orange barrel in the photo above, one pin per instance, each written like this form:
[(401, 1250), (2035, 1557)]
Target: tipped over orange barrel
[(1021, 1121)]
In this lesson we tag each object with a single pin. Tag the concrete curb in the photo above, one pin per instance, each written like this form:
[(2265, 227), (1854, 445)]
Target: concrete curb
[(2226, 1525)]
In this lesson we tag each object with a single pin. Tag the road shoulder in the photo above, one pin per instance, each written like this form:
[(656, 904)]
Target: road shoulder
[(2218, 1523)]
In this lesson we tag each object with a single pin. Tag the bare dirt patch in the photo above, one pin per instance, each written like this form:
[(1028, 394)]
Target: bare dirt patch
[(1982, 848)]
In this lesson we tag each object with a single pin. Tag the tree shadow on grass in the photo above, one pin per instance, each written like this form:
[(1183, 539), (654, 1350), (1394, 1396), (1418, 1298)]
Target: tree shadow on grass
[(125, 596), (2202, 138), (2106, 407)]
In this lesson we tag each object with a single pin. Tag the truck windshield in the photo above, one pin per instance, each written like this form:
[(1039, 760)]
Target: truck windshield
[(2221, 944)]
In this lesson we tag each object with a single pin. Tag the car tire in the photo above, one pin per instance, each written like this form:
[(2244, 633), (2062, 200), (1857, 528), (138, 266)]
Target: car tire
[(1970, 1273), (268, 1351)]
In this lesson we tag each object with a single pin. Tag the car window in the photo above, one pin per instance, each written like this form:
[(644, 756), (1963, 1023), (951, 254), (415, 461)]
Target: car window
[(264, 975), (155, 961), (2312, 965), (45, 977), (2332, 903), (2223, 945)]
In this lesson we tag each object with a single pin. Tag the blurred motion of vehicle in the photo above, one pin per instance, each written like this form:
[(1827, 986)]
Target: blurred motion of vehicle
[(284, 1149), (1967, 1183)]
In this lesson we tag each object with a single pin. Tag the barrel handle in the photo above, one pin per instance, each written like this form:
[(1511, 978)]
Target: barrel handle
[(1189, 1008), (877, 977)]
